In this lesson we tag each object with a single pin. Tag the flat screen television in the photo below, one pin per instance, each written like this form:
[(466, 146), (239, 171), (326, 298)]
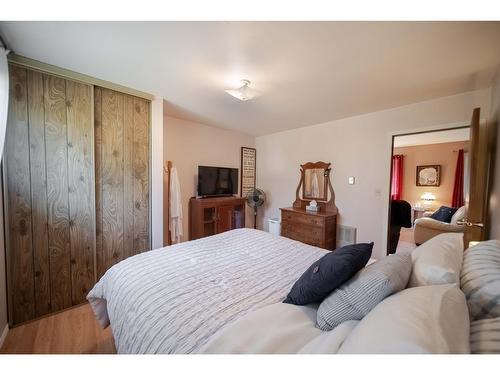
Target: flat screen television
[(217, 181)]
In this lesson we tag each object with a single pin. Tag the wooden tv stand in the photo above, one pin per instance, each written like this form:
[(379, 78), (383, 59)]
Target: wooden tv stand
[(209, 216)]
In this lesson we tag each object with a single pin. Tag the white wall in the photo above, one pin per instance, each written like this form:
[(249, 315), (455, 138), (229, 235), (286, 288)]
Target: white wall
[(358, 146), (188, 144), (157, 127), (494, 203)]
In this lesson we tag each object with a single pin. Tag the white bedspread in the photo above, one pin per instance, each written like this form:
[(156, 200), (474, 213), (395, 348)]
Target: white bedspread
[(172, 300)]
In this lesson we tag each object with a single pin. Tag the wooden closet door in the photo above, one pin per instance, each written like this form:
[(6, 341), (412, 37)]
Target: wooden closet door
[(18, 201), (48, 170), (81, 189), (122, 176)]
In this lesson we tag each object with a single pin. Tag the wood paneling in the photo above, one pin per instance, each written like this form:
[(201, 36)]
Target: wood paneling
[(122, 176), (77, 188), (39, 192), (98, 180), (81, 190), (57, 191), (20, 258), (128, 175), (50, 194), (141, 175), (112, 177)]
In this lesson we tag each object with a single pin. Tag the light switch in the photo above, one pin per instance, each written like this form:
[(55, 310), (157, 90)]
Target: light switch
[(351, 180)]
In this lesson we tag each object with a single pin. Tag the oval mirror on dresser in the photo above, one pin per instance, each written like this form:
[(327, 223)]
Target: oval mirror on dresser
[(313, 217)]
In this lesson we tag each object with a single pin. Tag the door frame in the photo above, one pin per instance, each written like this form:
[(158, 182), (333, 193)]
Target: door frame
[(390, 152)]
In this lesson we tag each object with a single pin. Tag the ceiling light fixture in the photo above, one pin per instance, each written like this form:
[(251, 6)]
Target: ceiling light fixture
[(244, 92)]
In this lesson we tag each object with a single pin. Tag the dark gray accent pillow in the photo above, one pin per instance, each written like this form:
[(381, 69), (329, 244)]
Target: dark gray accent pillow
[(444, 214), (329, 272)]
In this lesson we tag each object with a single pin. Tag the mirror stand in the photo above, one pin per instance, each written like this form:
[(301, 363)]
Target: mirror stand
[(326, 205)]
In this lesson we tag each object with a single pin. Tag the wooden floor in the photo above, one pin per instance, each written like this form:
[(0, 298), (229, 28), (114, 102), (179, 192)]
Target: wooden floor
[(73, 331), (406, 242)]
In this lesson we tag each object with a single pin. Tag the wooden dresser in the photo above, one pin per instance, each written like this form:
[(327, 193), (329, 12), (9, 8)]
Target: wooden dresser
[(209, 216), (313, 228)]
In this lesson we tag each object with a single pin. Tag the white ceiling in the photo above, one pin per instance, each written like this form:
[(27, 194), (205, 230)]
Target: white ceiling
[(445, 136), (307, 72)]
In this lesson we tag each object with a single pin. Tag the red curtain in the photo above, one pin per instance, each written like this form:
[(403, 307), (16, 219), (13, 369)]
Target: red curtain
[(397, 177), (458, 188)]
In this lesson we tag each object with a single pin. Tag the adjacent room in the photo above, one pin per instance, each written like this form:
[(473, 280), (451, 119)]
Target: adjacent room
[(250, 187), (429, 185)]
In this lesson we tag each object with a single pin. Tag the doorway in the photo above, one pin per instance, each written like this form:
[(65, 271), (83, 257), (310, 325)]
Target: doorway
[(429, 185)]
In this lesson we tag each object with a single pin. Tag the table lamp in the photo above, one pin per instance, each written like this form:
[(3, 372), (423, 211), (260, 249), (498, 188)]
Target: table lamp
[(428, 198)]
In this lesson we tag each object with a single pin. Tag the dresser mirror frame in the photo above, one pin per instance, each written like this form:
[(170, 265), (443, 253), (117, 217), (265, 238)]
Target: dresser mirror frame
[(325, 203)]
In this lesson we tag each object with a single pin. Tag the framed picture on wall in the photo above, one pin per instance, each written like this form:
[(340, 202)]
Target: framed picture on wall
[(248, 159), (428, 175)]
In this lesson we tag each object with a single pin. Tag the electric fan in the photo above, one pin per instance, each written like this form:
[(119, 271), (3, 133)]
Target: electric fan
[(255, 199)]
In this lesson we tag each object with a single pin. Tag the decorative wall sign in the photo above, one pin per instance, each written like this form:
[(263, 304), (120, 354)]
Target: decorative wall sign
[(248, 159), (428, 175)]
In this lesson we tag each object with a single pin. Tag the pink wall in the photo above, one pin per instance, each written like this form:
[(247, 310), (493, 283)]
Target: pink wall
[(188, 144), (358, 146), (443, 154)]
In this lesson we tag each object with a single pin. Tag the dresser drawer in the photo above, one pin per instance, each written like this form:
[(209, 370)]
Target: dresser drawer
[(316, 229), (313, 241), (308, 234), (302, 219), (302, 229)]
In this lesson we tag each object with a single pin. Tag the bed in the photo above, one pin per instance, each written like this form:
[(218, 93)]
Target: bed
[(172, 300), (223, 294), (451, 304)]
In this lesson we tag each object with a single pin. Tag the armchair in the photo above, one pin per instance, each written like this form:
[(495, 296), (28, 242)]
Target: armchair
[(426, 227)]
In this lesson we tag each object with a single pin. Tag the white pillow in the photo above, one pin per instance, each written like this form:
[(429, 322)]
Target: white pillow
[(480, 279), (329, 342), (365, 290), (438, 260), (280, 328), (428, 319), (458, 215)]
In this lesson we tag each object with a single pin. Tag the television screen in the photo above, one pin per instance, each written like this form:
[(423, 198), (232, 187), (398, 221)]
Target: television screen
[(213, 181)]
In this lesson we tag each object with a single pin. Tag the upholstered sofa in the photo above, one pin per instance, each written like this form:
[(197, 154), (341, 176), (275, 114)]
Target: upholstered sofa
[(426, 227)]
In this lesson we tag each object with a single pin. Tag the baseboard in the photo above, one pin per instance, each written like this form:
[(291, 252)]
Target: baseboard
[(4, 334)]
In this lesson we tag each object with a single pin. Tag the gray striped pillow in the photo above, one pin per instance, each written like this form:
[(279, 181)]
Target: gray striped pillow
[(485, 336), (480, 279), (358, 296)]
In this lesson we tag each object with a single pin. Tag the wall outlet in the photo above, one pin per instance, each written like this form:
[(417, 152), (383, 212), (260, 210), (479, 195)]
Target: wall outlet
[(351, 180)]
